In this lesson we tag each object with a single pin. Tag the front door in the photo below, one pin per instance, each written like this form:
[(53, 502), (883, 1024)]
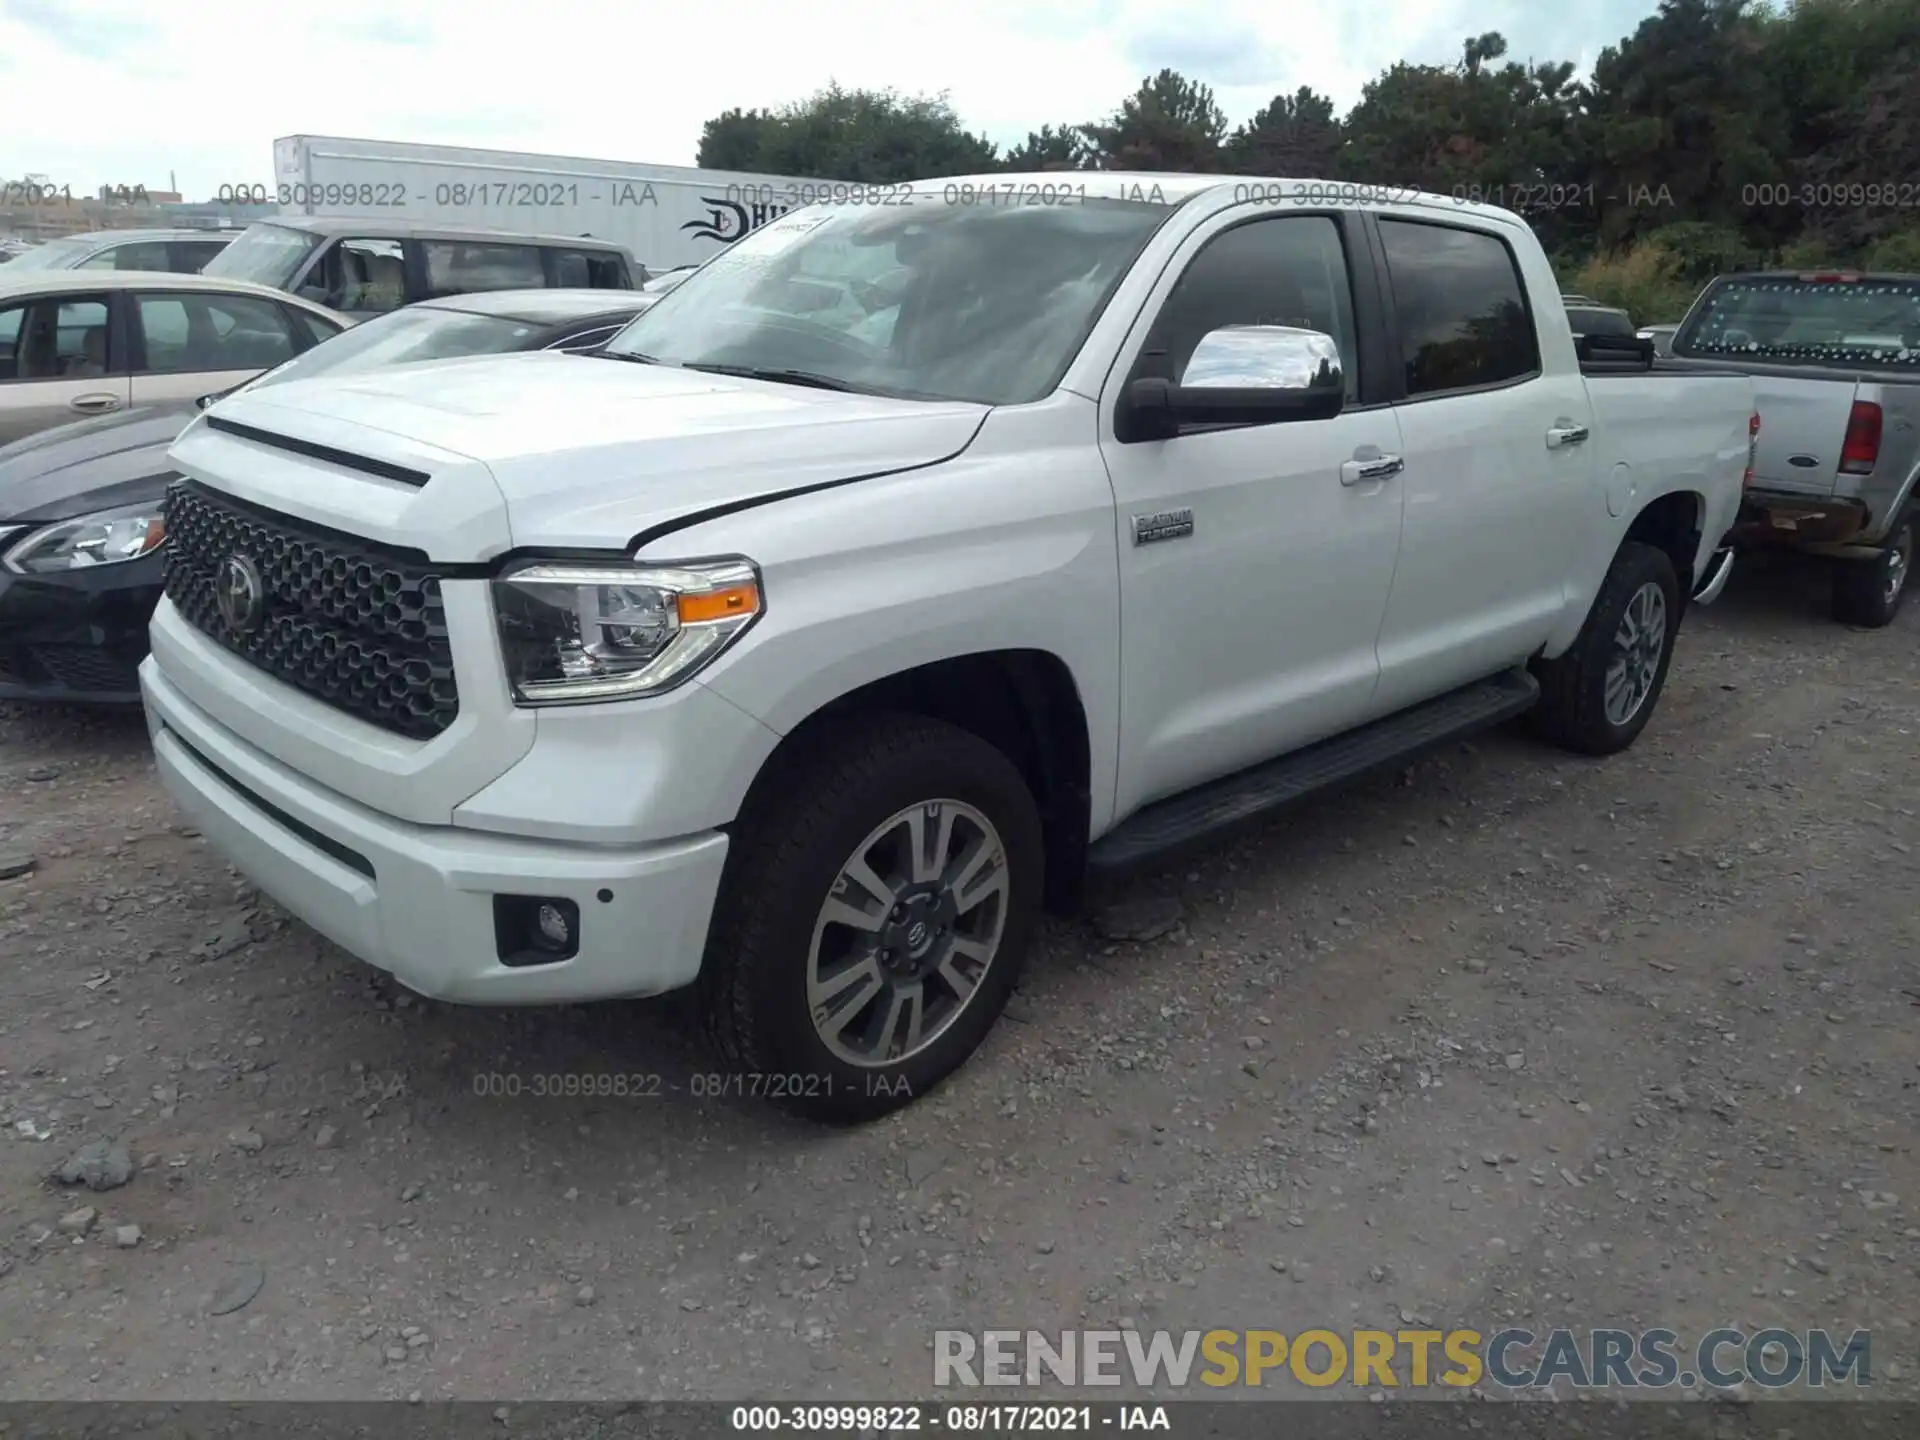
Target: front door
[(1254, 562)]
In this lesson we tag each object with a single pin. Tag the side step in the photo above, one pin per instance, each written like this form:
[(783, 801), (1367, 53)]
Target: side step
[(1197, 814)]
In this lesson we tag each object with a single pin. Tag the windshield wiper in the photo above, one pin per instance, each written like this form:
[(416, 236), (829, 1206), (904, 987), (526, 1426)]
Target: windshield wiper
[(783, 377), (630, 355)]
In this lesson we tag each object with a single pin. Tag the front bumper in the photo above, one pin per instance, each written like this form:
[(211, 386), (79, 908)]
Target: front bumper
[(418, 900), (78, 636)]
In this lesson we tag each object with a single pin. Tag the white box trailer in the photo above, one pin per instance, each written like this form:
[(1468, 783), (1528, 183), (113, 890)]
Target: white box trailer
[(665, 215)]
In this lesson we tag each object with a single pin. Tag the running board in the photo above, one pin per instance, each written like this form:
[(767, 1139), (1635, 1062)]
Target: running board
[(1197, 814)]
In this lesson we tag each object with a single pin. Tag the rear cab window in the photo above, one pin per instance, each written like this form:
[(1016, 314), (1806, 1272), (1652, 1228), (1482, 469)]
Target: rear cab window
[(1460, 308), (1807, 320)]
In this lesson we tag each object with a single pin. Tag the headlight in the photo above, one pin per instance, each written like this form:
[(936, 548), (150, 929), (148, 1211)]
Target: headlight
[(573, 632), (105, 538)]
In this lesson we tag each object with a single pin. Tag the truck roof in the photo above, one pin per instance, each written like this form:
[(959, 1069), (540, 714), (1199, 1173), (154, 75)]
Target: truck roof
[(376, 227), (1177, 188)]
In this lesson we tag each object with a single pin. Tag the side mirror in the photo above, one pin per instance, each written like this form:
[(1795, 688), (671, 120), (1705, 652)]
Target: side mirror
[(1241, 375)]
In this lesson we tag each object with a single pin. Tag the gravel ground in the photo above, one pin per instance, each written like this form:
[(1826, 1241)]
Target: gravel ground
[(1511, 1037)]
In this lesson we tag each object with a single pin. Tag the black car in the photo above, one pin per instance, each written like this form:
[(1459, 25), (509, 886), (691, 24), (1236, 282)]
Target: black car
[(82, 529)]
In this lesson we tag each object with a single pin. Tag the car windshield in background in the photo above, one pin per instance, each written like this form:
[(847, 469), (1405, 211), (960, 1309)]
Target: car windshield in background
[(423, 332), (1809, 322), (265, 254), (935, 301), (54, 255)]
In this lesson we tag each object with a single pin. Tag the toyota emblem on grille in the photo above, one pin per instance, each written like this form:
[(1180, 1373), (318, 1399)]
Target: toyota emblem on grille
[(240, 594)]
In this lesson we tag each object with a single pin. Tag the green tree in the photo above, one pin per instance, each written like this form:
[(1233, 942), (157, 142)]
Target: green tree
[(870, 137), (1169, 123), (1067, 147), (1685, 121), (734, 140), (1295, 136)]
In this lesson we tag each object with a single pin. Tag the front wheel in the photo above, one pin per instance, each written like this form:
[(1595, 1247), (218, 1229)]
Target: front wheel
[(1598, 697), (882, 891), (1868, 592)]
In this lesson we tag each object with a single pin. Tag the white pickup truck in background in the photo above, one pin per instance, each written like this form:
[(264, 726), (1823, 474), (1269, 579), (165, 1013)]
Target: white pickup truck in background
[(903, 565)]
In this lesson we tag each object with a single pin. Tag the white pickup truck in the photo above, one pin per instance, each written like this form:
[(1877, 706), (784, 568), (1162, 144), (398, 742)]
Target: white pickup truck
[(907, 563)]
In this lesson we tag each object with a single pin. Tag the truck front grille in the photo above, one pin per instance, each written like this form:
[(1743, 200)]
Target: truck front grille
[(358, 625)]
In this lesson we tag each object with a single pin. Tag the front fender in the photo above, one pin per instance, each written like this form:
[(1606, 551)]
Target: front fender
[(1007, 547)]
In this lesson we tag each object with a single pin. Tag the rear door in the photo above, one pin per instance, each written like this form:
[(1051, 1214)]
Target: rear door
[(190, 343), (473, 267), (1785, 330), (587, 270), (61, 359), (1497, 427)]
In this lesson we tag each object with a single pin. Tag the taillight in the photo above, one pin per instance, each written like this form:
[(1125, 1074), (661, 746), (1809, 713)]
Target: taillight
[(1860, 451), (1753, 447)]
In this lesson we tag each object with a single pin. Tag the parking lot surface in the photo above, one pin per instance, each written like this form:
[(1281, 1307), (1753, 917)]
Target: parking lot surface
[(1512, 1037)]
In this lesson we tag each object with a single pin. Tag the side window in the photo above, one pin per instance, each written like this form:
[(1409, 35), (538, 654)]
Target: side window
[(10, 320), (140, 255), (62, 341), (358, 276), (311, 326), (188, 256), (163, 320), (458, 267), (1290, 270), (1460, 306), (587, 270), (189, 332)]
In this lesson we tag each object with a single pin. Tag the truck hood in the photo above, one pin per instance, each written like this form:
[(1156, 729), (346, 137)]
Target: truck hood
[(588, 452)]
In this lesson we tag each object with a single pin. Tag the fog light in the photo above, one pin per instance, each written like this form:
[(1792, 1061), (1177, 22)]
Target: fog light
[(554, 927), (536, 929)]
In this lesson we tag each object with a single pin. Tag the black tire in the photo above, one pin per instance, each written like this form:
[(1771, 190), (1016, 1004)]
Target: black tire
[(799, 828), (1573, 712), (1869, 593)]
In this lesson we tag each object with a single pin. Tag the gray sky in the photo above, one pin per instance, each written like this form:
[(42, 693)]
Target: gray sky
[(123, 91)]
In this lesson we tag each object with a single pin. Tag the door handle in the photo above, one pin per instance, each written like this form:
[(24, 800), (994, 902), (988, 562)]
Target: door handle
[(94, 404), (1358, 472), (1561, 435)]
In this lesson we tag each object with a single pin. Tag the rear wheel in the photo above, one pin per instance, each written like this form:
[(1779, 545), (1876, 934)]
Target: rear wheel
[(1598, 697), (1868, 592), (878, 903)]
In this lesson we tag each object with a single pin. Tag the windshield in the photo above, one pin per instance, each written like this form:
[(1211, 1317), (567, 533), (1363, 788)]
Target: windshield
[(54, 255), (423, 332), (985, 303), (1809, 322), (265, 254)]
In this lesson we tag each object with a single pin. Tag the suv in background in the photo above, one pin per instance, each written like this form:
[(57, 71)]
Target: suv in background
[(362, 266), (183, 252)]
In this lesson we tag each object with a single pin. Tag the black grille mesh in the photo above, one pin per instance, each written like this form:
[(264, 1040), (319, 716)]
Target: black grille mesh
[(357, 625)]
